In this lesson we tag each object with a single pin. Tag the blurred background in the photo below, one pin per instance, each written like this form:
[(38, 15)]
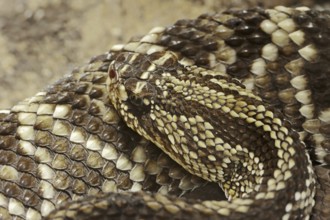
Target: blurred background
[(42, 40)]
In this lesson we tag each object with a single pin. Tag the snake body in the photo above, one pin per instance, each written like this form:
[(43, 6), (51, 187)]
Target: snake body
[(239, 98)]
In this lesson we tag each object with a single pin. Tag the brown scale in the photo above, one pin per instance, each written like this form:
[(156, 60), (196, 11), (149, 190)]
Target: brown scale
[(77, 170), (109, 170), (60, 162)]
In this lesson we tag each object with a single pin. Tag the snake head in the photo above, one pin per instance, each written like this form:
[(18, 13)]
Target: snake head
[(130, 90)]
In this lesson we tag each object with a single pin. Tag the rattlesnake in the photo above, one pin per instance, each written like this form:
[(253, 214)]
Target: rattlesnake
[(72, 142)]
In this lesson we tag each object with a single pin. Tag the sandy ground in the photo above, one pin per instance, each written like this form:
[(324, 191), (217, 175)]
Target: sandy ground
[(41, 40)]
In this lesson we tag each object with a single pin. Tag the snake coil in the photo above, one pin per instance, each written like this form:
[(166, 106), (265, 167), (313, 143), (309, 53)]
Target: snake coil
[(238, 98)]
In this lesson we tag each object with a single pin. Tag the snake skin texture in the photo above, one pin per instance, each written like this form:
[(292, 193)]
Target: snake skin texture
[(68, 153)]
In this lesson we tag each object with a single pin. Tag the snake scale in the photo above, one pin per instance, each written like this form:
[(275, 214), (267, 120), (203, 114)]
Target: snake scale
[(238, 98)]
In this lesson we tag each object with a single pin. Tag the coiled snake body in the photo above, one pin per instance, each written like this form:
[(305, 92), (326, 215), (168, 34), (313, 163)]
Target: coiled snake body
[(226, 96)]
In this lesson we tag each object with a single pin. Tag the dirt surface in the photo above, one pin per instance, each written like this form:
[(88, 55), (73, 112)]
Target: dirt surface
[(40, 40)]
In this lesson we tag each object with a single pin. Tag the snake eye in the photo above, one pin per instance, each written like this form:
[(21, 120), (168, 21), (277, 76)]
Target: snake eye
[(112, 73)]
